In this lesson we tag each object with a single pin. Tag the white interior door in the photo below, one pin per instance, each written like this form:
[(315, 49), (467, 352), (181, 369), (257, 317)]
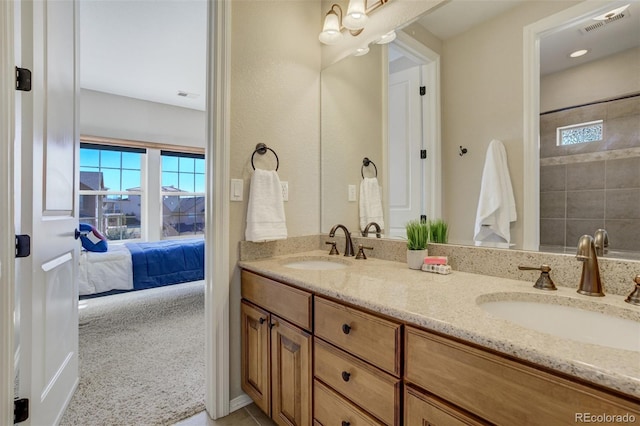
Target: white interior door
[(48, 372), (406, 182)]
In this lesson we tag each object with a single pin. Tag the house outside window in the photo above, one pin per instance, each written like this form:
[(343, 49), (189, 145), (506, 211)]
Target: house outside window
[(183, 194), (111, 190)]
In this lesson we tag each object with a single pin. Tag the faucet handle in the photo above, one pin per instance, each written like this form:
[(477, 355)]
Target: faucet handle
[(634, 296), (544, 282), (361, 254), (334, 249)]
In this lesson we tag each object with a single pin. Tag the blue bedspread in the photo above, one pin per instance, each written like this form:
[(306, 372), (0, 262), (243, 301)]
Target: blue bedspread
[(166, 262)]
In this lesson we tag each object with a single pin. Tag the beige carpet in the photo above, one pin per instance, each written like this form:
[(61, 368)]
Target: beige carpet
[(141, 358)]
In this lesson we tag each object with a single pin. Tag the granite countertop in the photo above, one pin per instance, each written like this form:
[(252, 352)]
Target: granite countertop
[(449, 304)]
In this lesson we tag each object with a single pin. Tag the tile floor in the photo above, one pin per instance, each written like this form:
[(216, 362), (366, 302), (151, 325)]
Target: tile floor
[(247, 416)]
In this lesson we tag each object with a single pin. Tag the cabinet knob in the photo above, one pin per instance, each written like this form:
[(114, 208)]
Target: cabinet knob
[(262, 320), (346, 376), (346, 328), (345, 423)]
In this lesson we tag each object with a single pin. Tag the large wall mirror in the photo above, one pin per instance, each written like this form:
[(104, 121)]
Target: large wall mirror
[(482, 97)]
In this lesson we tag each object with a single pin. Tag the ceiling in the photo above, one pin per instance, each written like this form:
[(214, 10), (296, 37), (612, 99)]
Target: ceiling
[(154, 49), (457, 16), (145, 49)]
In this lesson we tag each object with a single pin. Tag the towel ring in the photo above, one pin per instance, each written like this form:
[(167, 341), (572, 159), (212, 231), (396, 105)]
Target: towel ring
[(365, 163), (262, 149)]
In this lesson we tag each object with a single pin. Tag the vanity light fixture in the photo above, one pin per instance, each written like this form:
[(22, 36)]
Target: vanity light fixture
[(354, 20), (578, 53), (612, 13), (387, 38), (360, 51), (356, 15)]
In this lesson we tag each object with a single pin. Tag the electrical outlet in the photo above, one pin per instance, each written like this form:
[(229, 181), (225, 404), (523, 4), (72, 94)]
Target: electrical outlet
[(285, 191), (352, 192)]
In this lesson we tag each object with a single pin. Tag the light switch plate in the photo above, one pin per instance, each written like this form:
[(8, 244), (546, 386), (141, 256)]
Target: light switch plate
[(236, 189), (352, 192)]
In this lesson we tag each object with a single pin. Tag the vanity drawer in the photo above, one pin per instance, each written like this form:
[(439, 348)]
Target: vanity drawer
[(423, 409), (283, 300), (332, 409), (519, 394), (367, 336), (368, 387)]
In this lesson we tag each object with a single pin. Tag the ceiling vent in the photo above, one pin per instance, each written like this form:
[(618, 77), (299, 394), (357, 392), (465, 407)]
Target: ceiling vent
[(601, 24)]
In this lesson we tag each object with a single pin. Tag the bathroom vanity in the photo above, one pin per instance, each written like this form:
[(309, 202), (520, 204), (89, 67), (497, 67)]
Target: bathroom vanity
[(372, 342)]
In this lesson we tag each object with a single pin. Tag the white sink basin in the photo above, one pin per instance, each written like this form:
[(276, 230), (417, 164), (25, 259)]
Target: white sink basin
[(569, 322), (316, 264)]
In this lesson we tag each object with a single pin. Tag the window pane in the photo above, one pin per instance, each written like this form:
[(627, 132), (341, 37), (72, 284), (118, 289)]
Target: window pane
[(90, 179), (580, 133), (200, 187), (110, 159), (111, 179), (187, 182), (170, 179), (114, 217), (89, 157), (131, 160), (130, 180), (187, 164), (169, 164), (200, 165)]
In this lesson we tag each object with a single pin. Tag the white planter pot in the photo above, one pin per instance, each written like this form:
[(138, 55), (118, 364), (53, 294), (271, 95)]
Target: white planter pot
[(415, 258)]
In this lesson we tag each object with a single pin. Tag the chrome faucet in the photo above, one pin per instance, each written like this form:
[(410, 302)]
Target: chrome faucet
[(348, 248), (590, 283), (601, 241), (365, 233)]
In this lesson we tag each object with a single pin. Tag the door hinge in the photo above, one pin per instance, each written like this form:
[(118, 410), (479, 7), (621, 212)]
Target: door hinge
[(20, 410), (423, 218), (423, 154), (23, 79), (423, 90), (23, 245)]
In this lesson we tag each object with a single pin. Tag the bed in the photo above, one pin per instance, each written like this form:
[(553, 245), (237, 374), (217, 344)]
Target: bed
[(140, 265)]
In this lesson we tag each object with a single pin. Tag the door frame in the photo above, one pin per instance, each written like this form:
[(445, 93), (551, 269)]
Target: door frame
[(216, 237), (7, 242), (217, 154)]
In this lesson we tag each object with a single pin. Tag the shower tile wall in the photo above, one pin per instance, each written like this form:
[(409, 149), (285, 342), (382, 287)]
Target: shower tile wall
[(594, 185)]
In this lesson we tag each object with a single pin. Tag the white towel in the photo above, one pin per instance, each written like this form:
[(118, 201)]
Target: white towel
[(496, 206), (370, 203), (265, 212)]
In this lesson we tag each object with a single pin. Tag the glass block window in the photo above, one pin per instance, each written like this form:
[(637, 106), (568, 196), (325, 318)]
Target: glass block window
[(183, 194), (580, 133), (110, 190)]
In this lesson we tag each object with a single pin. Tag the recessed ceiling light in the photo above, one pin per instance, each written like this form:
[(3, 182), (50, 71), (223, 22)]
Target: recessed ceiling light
[(610, 14), (578, 53)]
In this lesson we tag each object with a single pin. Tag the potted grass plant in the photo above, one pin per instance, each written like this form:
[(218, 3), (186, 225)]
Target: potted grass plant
[(439, 231), (417, 240)]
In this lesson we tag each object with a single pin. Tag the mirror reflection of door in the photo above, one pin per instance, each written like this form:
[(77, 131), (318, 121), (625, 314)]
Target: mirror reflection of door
[(407, 118)]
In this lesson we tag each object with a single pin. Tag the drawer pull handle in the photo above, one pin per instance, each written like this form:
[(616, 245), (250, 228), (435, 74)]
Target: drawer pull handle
[(346, 376), (346, 328), (262, 320), (345, 423), (273, 324)]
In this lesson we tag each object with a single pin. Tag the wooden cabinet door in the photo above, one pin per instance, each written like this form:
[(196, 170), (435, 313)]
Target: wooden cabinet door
[(256, 370), (291, 374)]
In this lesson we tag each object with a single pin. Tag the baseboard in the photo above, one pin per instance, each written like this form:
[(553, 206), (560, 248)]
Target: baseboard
[(238, 402)]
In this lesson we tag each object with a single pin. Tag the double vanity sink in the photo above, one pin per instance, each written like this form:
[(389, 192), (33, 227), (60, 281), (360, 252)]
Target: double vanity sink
[(594, 339)]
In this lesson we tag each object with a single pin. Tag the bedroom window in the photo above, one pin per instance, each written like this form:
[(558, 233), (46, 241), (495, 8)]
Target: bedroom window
[(110, 190), (183, 194)]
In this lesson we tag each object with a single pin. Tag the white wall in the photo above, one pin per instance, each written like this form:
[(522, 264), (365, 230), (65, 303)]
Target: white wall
[(613, 76), (113, 116), (482, 99), (275, 99)]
